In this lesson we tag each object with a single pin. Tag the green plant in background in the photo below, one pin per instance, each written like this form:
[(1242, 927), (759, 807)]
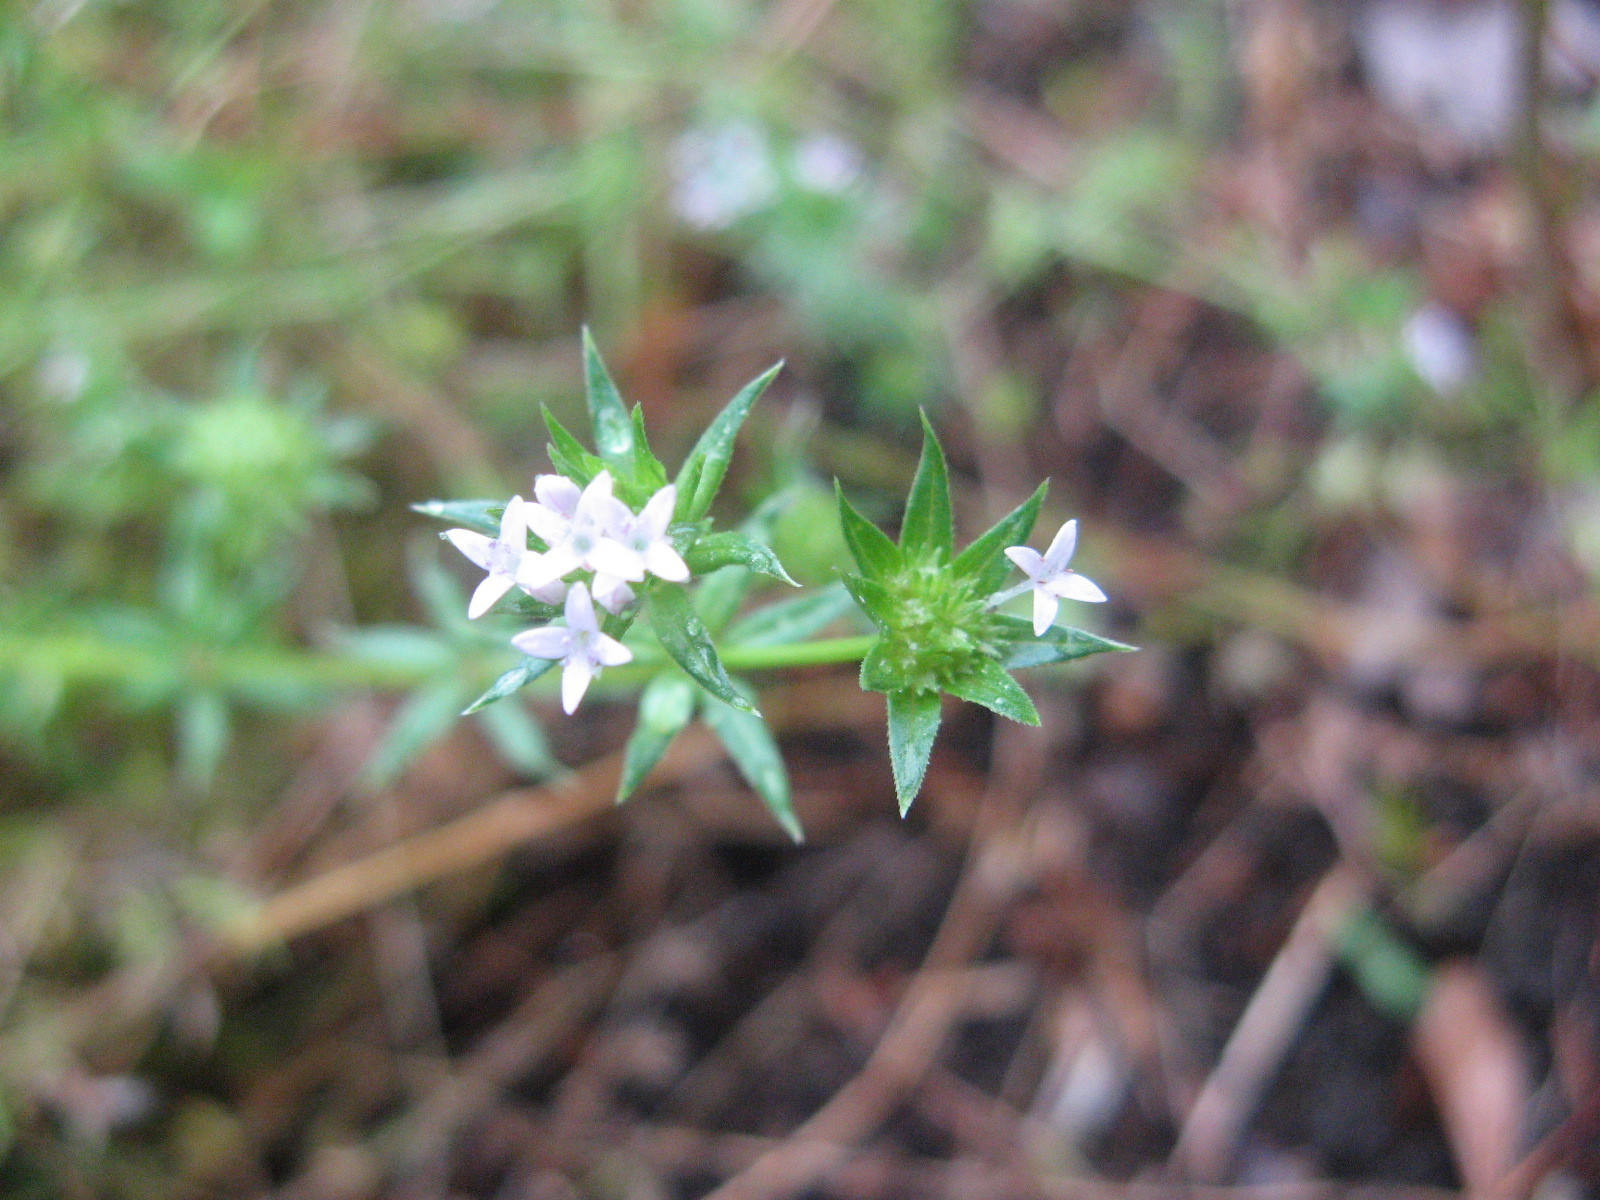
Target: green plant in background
[(608, 530)]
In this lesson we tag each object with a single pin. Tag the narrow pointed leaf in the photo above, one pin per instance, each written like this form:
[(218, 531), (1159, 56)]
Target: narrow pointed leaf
[(649, 476), (426, 716), (724, 590), (514, 680), (665, 707), (519, 739), (613, 430), (874, 599), (701, 475), (755, 753), (1061, 643), (482, 515), (875, 554), (913, 724), (880, 672), (567, 454), (987, 683), (203, 731), (985, 559), (927, 529), (794, 619), (734, 549), (684, 636)]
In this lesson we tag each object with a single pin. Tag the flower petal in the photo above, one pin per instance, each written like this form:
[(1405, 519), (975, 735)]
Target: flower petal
[(1045, 607), (540, 570), (664, 562), (614, 558), (550, 593), (557, 493), (487, 593), (471, 543), (580, 611), (609, 652), (1061, 547), (549, 525), (575, 678), (611, 593), (1027, 559), (1071, 586), (514, 524), (657, 513), (547, 641)]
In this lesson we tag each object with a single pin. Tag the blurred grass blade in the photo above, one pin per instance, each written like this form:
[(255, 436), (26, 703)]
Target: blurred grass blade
[(794, 619), (427, 715), (203, 732), (520, 740), (665, 707)]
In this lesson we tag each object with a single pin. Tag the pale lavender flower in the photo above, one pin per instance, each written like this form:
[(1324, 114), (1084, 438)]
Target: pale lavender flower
[(1049, 578), (580, 645), (645, 538), (506, 558), (580, 528)]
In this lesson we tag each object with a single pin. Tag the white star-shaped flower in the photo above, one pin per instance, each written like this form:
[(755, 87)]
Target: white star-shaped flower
[(1049, 578), (645, 537), (581, 529), (506, 557), (579, 644)]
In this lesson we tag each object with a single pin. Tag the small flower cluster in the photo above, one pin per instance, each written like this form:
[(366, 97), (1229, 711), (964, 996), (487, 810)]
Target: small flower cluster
[(583, 529)]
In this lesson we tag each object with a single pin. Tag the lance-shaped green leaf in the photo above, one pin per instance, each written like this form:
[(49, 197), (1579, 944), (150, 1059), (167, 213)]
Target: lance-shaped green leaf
[(613, 429), (755, 753), (701, 475), (928, 528), (684, 636), (426, 716), (794, 619), (718, 598), (734, 549), (985, 559), (481, 515), (203, 731), (875, 599), (985, 682), (649, 476), (1060, 643), (665, 706), (514, 680), (875, 555), (519, 739), (567, 453), (913, 724)]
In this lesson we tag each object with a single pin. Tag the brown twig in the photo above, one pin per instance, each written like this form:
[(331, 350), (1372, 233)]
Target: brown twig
[(1231, 1094)]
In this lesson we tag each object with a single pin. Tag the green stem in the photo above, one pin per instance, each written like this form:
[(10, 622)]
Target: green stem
[(86, 658)]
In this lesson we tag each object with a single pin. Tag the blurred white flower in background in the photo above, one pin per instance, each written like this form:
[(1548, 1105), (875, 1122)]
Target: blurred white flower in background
[(1442, 349), (826, 163), (722, 173)]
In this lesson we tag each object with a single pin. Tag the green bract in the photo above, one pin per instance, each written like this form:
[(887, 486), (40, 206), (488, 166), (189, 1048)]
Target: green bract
[(937, 631)]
